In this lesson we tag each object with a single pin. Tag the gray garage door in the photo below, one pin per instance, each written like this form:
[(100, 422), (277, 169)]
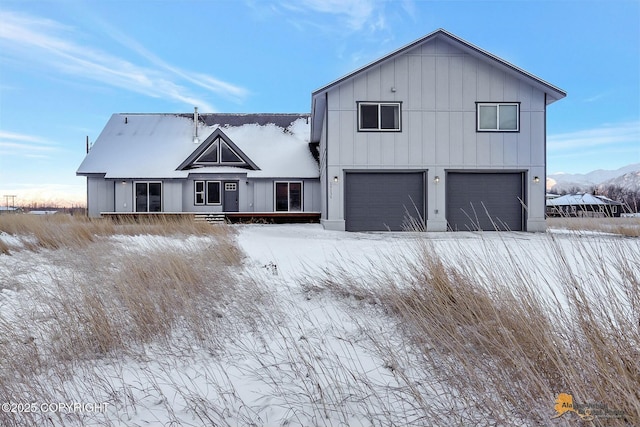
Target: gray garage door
[(380, 201), (485, 201)]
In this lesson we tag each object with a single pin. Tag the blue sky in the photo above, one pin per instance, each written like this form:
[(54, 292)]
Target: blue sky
[(66, 66)]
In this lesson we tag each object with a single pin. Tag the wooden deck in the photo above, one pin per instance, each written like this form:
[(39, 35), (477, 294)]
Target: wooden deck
[(221, 217)]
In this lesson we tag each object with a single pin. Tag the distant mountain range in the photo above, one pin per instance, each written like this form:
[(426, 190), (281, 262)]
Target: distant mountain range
[(627, 177)]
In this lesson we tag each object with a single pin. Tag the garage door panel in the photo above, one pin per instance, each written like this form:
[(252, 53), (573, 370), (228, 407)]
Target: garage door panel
[(485, 201), (379, 201)]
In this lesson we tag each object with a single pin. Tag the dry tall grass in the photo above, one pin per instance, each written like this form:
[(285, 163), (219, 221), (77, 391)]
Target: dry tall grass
[(34, 232), (625, 226), (472, 335), (108, 300), (504, 338)]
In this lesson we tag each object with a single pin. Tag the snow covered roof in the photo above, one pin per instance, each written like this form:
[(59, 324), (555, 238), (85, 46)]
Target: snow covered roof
[(153, 146), (581, 199)]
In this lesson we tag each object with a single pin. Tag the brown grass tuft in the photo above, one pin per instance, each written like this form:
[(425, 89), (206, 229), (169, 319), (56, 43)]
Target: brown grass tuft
[(505, 342), (629, 227), (64, 231)]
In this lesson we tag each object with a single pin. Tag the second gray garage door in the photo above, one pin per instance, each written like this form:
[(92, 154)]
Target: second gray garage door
[(380, 201), (485, 201)]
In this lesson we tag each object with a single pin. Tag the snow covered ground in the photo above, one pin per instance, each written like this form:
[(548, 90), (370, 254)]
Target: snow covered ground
[(308, 360)]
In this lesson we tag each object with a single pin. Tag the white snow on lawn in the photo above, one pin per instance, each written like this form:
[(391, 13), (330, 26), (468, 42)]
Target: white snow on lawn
[(309, 364)]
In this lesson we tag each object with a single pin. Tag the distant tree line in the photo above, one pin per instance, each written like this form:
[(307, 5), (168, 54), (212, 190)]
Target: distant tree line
[(73, 210), (630, 198)]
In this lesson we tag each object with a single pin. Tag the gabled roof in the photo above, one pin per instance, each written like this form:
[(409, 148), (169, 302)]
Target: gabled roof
[(581, 199), (153, 146), (553, 93), (217, 137)]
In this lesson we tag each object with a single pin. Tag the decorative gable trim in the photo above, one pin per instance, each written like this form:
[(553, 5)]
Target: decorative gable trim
[(219, 143)]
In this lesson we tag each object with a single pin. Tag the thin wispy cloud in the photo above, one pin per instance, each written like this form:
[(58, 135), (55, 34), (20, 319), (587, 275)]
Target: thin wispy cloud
[(204, 81), (350, 15), (597, 97), (22, 145), (602, 136), (358, 14), (49, 42)]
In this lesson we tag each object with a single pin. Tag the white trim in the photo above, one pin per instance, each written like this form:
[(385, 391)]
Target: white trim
[(205, 192)]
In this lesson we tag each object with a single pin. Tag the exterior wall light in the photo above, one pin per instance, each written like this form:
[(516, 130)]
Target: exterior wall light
[(536, 179), (436, 179), (335, 178)]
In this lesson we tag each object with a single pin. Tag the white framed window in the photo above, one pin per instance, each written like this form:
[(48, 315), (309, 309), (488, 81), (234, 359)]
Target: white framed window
[(379, 116), (198, 192), (207, 193), (614, 209), (498, 117), (288, 196), (148, 196)]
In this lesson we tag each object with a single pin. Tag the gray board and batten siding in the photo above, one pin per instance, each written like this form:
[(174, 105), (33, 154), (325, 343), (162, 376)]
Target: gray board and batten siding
[(438, 81), (273, 148)]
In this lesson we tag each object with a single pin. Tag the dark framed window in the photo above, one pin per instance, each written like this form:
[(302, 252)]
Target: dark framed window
[(207, 192), (148, 197), (498, 117), (213, 193), (288, 196), (379, 116), (219, 153)]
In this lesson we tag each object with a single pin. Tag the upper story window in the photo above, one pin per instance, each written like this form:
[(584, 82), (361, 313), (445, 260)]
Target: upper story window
[(219, 153), (498, 117), (379, 116)]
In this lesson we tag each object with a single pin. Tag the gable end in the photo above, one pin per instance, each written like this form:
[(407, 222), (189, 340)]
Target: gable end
[(217, 141)]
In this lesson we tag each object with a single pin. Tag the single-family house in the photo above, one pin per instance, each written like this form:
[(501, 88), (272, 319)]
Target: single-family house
[(437, 135), (583, 205), (238, 164)]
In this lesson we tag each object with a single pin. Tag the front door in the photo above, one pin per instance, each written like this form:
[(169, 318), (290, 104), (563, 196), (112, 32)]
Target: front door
[(230, 203)]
